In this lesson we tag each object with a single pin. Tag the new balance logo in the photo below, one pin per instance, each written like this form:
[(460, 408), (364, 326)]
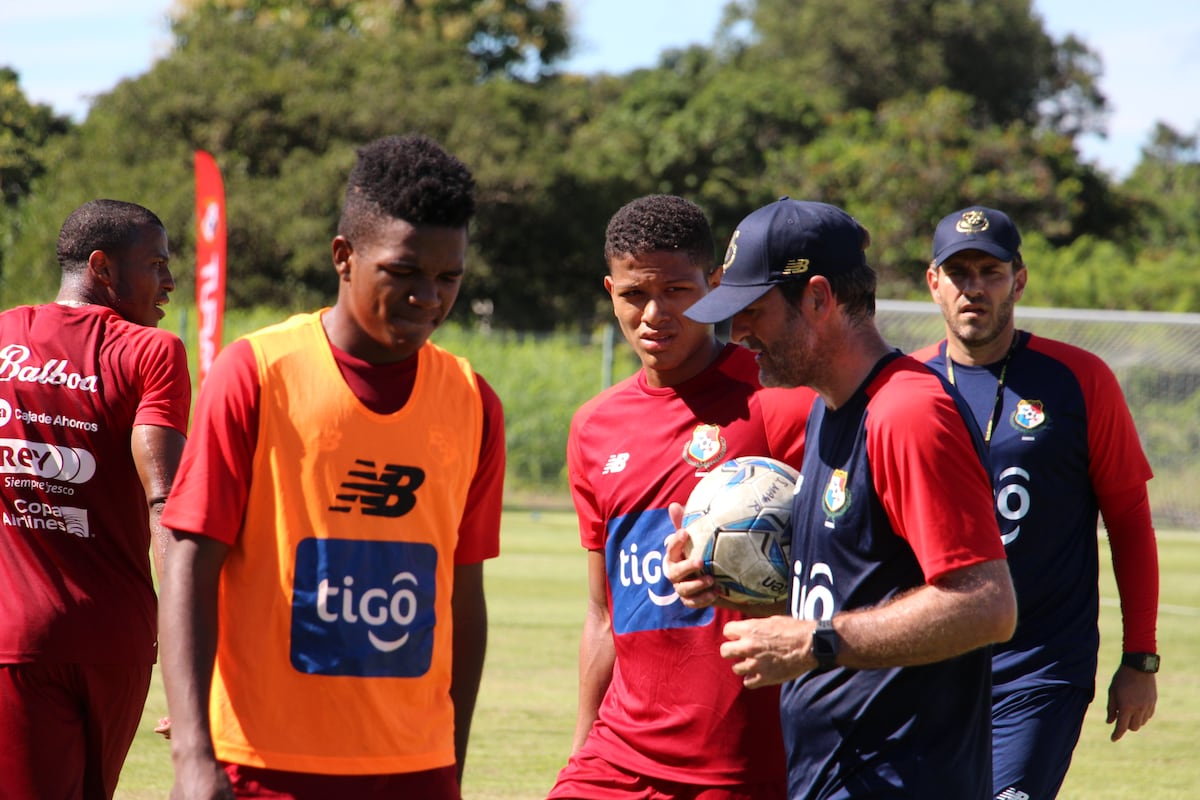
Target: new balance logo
[(1012, 794), (389, 493), (616, 463)]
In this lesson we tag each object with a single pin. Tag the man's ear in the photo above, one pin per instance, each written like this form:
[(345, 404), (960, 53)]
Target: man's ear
[(818, 295), (341, 250), (714, 278), (1019, 279), (101, 268), (931, 278)]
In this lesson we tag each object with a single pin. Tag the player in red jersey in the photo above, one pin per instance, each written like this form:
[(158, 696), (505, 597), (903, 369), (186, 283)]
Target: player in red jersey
[(339, 495), (1063, 450), (93, 408), (660, 714)]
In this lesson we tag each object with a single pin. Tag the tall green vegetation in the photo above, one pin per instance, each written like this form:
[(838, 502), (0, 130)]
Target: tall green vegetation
[(900, 111)]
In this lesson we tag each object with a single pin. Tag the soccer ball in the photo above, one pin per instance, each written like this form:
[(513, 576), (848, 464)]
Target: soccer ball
[(737, 517)]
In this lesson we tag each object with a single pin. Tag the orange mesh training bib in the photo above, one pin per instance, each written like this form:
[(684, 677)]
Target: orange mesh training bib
[(334, 652)]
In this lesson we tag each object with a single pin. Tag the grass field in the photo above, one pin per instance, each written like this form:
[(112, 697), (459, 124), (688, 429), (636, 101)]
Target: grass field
[(526, 709)]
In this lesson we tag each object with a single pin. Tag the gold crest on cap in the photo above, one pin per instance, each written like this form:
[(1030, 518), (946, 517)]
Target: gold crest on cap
[(731, 252), (795, 266), (973, 221)]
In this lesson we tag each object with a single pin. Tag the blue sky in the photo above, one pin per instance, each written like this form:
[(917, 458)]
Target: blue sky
[(68, 50)]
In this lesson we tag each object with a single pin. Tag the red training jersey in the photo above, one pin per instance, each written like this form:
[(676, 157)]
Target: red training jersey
[(674, 708), (75, 538)]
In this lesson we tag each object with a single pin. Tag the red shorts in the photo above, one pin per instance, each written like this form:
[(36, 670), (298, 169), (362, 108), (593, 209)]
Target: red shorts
[(65, 729), (433, 784), (588, 777)]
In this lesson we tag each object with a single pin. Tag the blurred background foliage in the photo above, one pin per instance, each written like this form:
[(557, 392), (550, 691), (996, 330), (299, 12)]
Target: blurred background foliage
[(902, 111)]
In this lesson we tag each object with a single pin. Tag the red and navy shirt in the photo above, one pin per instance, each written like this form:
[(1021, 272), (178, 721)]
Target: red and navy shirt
[(1062, 441), (892, 494)]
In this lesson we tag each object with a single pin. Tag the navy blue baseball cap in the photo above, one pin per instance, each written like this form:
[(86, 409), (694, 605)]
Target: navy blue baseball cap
[(976, 228), (785, 241)]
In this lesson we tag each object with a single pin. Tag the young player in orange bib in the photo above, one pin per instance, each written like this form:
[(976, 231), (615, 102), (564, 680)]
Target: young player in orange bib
[(324, 591)]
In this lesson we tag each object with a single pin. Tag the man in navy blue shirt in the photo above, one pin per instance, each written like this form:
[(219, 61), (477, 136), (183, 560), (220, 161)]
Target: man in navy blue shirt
[(899, 579), (1063, 449)]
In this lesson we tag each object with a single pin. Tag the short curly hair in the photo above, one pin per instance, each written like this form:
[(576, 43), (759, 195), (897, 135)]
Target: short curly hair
[(112, 226), (410, 178), (660, 222)]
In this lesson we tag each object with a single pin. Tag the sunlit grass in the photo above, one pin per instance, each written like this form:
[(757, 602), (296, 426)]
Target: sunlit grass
[(526, 712)]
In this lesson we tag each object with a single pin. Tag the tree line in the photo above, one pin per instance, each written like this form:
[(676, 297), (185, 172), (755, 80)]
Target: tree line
[(898, 110)]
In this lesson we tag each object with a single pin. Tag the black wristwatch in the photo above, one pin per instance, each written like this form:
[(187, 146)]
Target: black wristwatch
[(1142, 662), (825, 644)]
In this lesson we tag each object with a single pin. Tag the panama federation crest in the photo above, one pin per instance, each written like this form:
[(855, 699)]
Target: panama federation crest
[(1028, 415), (707, 447), (837, 493), (972, 221)]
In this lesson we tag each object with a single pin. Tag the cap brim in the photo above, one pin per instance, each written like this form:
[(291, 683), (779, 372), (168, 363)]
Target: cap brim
[(982, 245), (725, 301)]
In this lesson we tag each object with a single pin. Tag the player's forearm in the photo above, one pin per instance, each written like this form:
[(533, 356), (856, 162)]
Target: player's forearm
[(597, 654), (971, 608), (156, 454), (158, 538), (1135, 565), (470, 649), (188, 642)]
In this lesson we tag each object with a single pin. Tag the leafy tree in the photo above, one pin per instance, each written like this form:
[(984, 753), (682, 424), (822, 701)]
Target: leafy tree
[(918, 158), (1092, 272), (281, 108), (860, 53), (25, 128), (857, 113), (1166, 187), (537, 238), (1072, 102), (25, 131), (697, 126), (503, 37)]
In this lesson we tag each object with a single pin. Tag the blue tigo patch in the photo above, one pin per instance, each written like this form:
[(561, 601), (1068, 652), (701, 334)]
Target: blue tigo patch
[(643, 599), (363, 608)]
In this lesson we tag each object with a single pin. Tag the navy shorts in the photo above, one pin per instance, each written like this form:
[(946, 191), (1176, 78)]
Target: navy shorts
[(1034, 733)]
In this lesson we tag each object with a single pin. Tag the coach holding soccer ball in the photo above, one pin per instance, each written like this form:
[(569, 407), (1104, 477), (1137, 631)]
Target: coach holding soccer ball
[(896, 592)]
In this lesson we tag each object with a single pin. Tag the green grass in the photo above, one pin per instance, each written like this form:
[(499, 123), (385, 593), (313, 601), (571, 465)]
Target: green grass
[(526, 711), (1159, 760)]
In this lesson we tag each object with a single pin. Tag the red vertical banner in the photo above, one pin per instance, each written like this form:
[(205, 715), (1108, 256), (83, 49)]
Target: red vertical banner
[(210, 260)]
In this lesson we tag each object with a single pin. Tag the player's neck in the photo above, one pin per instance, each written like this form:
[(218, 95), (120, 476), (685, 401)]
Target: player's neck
[(983, 354), (77, 296), (861, 351)]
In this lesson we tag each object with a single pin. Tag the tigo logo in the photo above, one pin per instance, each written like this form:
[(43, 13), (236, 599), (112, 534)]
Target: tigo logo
[(643, 599), (364, 608)]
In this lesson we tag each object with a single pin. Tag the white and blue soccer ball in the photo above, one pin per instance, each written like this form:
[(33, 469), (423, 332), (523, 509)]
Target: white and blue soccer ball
[(737, 518)]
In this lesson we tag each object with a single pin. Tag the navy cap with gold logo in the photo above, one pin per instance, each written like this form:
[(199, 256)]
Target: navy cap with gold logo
[(976, 228), (784, 241)]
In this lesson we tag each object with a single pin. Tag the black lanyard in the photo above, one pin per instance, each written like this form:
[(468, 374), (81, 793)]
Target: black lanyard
[(998, 406)]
